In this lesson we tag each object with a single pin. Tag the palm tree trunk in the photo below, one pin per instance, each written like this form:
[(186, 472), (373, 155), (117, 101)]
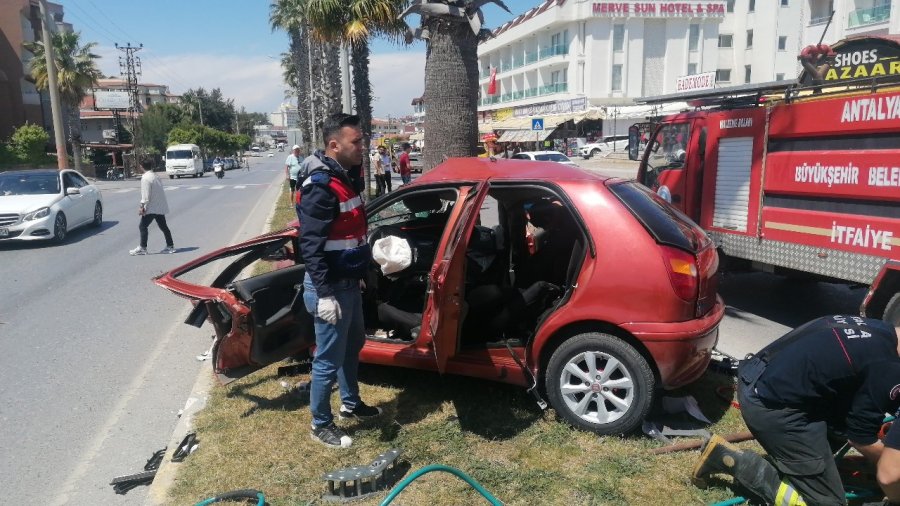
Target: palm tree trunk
[(300, 57), (451, 91), (74, 135), (362, 93)]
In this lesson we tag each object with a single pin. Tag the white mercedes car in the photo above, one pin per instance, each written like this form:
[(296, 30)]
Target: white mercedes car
[(46, 204)]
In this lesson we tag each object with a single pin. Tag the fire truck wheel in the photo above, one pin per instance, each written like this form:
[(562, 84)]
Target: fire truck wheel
[(600, 383), (892, 310)]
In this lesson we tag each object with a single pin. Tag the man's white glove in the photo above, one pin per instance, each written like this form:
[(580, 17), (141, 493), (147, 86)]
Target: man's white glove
[(329, 310)]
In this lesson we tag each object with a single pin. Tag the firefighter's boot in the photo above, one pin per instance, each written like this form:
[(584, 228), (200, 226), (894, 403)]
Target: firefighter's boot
[(717, 456)]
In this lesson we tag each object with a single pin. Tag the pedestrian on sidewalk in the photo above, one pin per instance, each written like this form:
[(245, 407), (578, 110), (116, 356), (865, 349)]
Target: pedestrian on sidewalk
[(404, 163), (834, 376), (334, 248), (292, 168), (384, 158), (379, 171), (153, 207)]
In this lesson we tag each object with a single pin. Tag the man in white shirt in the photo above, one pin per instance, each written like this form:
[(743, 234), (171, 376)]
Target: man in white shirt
[(383, 164), (153, 207), (292, 168)]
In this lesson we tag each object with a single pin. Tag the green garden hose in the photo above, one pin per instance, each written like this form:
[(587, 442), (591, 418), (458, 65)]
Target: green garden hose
[(447, 469)]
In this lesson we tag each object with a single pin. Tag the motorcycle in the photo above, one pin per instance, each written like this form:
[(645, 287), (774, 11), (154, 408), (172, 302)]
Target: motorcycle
[(219, 170)]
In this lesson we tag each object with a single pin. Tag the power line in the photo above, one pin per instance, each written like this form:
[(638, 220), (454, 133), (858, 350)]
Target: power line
[(111, 22)]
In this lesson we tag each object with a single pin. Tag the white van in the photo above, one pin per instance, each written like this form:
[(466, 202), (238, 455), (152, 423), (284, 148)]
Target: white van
[(183, 160)]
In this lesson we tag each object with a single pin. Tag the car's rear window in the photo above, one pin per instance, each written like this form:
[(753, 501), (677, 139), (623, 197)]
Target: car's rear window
[(552, 157), (665, 223)]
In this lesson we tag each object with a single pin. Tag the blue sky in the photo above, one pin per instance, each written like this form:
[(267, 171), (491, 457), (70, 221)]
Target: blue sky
[(228, 44)]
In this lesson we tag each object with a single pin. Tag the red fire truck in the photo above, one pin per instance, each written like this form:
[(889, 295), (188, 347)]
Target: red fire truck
[(798, 177)]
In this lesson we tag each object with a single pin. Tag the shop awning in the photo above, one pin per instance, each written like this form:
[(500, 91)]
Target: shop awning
[(485, 128), (523, 135), (551, 121)]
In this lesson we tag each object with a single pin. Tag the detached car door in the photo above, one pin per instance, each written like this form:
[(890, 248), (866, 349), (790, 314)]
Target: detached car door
[(441, 318), (258, 320)]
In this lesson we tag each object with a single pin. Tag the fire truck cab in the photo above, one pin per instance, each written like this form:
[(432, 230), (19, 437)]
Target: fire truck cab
[(800, 176)]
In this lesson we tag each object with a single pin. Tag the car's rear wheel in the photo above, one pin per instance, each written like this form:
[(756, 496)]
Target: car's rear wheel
[(98, 214), (600, 383), (59, 227), (595, 152), (171, 177)]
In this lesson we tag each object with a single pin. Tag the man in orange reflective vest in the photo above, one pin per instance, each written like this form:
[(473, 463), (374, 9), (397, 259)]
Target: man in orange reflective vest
[(334, 248)]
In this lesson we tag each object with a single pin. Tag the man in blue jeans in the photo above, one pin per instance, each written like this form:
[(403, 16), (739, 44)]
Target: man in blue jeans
[(334, 248)]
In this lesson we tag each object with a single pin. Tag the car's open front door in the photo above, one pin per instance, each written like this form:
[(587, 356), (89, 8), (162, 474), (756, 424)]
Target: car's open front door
[(259, 319), (443, 309)]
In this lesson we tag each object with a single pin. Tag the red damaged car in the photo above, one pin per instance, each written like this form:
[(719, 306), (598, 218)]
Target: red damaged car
[(589, 291)]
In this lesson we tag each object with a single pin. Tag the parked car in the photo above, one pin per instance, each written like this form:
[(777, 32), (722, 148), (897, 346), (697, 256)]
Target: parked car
[(230, 163), (609, 144), (589, 291), (46, 204), (544, 156), (415, 162)]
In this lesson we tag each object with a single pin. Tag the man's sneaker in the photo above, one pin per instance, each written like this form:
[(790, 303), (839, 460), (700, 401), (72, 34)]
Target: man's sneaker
[(362, 411), (138, 251), (168, 250), (331, 435), (717, 456)]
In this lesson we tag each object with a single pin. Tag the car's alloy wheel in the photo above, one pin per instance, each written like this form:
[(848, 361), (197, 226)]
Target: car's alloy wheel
[(98, 215), (59, 227), (595, 152), (600, 383)]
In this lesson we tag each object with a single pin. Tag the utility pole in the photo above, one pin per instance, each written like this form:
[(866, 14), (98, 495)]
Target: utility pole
[(62, 161), (130, 69)]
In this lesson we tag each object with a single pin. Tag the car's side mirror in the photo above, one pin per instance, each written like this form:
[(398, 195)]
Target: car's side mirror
[(73, 191)]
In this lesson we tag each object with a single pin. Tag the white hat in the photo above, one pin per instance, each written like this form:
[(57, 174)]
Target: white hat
[(295, 147)]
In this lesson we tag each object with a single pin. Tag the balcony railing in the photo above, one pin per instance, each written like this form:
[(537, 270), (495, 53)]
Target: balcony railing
[(522, 94), (861, 17), (530, 57)]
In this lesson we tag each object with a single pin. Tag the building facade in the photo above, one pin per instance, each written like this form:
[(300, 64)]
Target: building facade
[(851, 18), (287, 116), (613, 52), (99, 126), (20, 101)]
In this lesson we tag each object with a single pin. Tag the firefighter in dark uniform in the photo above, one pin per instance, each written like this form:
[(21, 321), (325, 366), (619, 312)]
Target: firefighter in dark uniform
[(838, 374)]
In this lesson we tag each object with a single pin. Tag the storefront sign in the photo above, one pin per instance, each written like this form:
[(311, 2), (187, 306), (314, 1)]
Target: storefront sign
[(858, 59), (560, 107), (710, 9), (704, 81)]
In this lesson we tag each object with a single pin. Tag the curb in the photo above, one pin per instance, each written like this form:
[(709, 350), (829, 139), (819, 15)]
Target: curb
[(158, 491)]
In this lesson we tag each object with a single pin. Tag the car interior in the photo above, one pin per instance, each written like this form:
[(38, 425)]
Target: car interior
[(514, 276)]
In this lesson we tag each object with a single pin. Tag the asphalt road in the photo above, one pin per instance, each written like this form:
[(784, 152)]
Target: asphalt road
[(96, 362)]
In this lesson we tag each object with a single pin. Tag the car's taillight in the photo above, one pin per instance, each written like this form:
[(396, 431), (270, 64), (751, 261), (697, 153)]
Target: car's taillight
[(682, 268)]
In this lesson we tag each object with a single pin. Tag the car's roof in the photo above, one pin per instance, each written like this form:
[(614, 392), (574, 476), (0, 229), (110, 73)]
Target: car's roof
[(35, 171), (481, 169)]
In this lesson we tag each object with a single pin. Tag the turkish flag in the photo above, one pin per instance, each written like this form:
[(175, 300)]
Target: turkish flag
[(492, 86)]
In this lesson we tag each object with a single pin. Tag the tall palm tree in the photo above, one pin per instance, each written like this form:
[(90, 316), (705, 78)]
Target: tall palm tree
[(453, 29), (314, 62), (353, 23), (76, 73)]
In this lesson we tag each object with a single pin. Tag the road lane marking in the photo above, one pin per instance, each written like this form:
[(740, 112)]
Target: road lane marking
[(217, 187), (240, 187)]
